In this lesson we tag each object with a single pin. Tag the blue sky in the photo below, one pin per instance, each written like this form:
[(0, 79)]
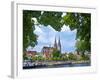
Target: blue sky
[(46, 37)]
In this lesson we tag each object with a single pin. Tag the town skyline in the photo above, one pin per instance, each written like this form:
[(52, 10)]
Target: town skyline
[(56, 39), (46, 37)]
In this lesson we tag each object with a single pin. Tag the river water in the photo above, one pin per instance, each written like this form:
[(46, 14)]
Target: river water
[(61, 66), (71, 65), (68, 65)]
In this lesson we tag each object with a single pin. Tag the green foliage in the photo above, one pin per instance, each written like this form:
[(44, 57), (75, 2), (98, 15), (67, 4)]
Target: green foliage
[(71, 56), (82, 23), (82, 45), (71, 20), (51, 18), (85, 57), (38, 58), (64, 58), (79, 21), (56, 53), (25, 57), (29, 38)]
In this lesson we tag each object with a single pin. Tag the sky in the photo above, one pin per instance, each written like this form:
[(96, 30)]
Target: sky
[(47, 34)]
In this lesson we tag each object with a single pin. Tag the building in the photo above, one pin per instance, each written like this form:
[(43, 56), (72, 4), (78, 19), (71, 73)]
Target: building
[(59, 45), (30, 54), (47, 51)]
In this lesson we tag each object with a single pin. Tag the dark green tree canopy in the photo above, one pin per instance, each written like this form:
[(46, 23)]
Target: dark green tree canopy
[(79, 21)]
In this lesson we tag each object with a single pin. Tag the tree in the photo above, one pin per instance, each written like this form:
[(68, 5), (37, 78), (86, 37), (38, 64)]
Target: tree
[(56, 53), (46, 18), (71, 56), (82, 23), (85, 57), (51, 18), (79, 21), (81, 46), (25, 56), (29, 38)]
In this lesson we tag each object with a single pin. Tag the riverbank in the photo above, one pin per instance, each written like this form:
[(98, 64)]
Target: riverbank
[(64, 62), (46, 64), (82, 61)]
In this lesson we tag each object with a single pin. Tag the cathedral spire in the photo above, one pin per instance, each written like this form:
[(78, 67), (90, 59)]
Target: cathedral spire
[(59, 44), (55, 44)]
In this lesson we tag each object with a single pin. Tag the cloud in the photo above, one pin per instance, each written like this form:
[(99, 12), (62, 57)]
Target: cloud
[(47, 34)]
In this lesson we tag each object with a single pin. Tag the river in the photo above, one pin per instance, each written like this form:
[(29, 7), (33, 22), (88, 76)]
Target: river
[(58, 66), (70, 65)]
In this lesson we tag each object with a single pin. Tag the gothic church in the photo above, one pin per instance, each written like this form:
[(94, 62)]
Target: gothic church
[(47, 51)]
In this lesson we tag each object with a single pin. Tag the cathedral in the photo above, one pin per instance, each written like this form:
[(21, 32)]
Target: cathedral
[(57, 45), (47, 51)]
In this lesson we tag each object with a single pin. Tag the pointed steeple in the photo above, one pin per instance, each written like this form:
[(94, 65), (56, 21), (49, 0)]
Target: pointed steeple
[(55, 44), (59, 44)]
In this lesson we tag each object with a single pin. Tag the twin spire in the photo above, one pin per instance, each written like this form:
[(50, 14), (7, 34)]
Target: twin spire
[(57, 46)]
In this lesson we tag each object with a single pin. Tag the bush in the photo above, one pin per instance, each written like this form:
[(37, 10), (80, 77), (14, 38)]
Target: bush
[(72, 57)]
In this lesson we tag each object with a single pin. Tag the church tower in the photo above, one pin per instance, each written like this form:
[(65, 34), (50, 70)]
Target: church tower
[(59, 45), (55, 44)]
